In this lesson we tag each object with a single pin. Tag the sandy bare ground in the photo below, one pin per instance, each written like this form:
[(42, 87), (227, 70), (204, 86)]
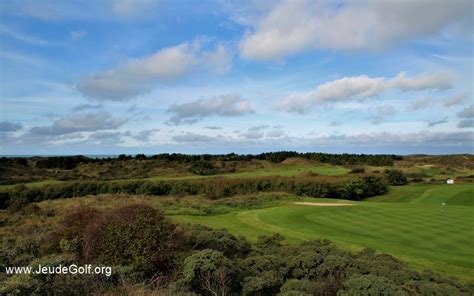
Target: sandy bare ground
[(323, 204)]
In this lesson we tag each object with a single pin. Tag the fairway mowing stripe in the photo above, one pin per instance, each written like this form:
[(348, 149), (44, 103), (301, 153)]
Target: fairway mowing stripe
[(244, 217), (323, 204), (384, 228), (418, 233)]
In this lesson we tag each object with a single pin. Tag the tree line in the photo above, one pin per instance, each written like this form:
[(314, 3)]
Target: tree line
[(70, 162)]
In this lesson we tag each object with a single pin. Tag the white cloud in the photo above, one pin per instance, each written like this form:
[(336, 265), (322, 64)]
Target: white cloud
[(254, 132), (225, 105), (381, 113), (82, 107), (292, 26), (361, 87), (454, 100), (275, 133), (421, 103), (190, 137), (423, 141), (138, 76), (78, 122), (467, 117)]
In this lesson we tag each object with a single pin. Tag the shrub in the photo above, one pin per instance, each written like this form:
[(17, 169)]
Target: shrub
[(370, 285), (136, 235), (198, 237), (209, 272), (357, 171), (396, 177), (203, 167), (72, 227)]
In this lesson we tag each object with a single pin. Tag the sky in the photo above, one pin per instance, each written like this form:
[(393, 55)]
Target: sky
[(146, 76)]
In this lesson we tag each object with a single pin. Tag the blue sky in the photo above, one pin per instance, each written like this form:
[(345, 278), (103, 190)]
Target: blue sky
[(145, 76)]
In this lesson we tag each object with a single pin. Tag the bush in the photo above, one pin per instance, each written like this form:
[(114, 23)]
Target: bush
[(72, 227), (396, 177), (357, 171), (136, 235), (202, 167), (209, 272), (370, 285), (198, 237)]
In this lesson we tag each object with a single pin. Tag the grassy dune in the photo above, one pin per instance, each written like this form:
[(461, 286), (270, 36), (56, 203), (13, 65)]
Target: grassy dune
[(287, 171), (407, 222)]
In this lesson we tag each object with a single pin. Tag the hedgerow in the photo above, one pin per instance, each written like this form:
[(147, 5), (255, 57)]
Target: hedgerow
[(346, 187)]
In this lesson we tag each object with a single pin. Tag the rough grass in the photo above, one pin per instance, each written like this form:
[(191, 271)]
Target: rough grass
[(408, 223), (31, 184), (282, 170)]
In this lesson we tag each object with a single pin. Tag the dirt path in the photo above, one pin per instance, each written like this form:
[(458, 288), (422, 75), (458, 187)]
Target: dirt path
[(323, 204)]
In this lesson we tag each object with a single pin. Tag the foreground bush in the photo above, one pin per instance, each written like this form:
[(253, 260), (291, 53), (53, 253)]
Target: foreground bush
[(136, 235), (311, 268), (148, 252)]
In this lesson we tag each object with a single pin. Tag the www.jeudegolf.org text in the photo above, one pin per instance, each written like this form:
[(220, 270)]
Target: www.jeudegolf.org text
[(60, 269)]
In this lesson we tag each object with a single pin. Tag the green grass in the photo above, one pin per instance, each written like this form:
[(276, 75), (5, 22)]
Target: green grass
[(286, 171), (31, 184), (292, 171), (407, 223)]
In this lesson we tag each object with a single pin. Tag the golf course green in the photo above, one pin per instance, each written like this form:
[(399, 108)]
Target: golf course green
[(408, 223)]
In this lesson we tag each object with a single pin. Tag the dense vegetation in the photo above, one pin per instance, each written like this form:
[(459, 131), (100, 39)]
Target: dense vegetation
[(16, 170), (149, 252), (347, 187), (132, 213)]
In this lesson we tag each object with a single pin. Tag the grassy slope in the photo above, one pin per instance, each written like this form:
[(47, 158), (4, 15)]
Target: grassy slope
[(270, 171), (407, 223), (31, 184)]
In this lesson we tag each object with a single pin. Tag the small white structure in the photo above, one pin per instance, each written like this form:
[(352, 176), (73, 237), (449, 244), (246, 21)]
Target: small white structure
[(450, 181)]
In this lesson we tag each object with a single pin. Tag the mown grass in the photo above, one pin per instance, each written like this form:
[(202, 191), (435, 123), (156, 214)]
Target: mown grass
[(408, 223)]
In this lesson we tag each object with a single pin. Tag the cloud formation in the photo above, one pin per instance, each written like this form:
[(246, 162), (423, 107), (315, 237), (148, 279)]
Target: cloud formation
[(375, 140), (362, 87), (254, 132), (7, 126), (455, 100), (467, 117), (433, 123), (466, 123), (292, 26), (139, 76), (225, 105), (381, 112), (467, 112), (78, 122)]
